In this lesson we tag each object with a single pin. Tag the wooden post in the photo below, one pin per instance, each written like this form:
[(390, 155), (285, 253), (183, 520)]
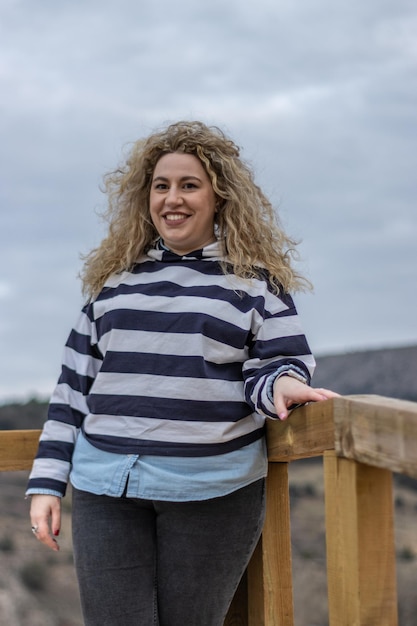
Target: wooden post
[(270, 597), (265, 597), (360, 544), (237, 614)]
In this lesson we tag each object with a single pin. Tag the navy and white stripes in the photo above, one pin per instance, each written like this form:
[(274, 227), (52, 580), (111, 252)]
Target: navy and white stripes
[(173, 358)]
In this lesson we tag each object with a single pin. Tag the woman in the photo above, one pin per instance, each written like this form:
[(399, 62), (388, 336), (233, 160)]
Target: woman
[(188, 342)]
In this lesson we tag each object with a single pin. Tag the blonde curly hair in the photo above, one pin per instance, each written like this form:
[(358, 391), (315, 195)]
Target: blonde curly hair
[(245, 222)]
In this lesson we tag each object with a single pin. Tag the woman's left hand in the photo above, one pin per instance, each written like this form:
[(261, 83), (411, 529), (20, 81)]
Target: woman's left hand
[(289, 391)]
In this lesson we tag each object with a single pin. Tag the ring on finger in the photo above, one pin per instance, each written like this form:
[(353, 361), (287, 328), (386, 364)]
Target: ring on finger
[(35, 529)]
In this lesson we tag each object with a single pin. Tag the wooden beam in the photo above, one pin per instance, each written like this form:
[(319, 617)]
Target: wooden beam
[(308, 432), (18, 449), (378, 431), (270, 594), (361, 575)]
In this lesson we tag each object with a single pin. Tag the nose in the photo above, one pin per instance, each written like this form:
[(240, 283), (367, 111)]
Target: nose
[(173, 197)]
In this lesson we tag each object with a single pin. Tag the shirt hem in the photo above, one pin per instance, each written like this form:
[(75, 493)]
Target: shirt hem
[(163, 497)]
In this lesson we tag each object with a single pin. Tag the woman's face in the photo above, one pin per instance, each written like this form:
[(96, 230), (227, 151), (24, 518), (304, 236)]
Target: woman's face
[(182, 203)]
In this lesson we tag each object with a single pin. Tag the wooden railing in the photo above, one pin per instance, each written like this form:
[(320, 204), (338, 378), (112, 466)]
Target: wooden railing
[(362, 440)]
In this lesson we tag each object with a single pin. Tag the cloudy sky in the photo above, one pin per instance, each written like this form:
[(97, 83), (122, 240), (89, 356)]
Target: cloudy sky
[(320, 95)]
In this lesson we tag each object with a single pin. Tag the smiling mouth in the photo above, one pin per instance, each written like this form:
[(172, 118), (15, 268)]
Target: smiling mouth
[(175, 217)]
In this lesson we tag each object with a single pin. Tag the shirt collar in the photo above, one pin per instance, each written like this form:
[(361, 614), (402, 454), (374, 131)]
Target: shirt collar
[(161, 252)]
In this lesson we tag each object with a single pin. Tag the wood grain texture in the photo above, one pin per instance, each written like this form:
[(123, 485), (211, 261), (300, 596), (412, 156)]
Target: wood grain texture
[(308, 432), (361, 571), (270, 591), (18, 449), (377, 431)]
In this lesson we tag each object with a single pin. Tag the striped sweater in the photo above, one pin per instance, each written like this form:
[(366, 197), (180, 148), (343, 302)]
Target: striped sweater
[(172, 358)]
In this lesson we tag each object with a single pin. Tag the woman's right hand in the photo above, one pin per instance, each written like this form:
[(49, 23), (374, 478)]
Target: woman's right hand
[(45, 516)]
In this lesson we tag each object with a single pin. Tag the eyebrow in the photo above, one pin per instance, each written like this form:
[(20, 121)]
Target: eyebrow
[(182, 179)]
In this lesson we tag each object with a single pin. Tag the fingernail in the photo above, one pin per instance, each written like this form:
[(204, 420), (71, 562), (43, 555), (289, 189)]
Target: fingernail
[(282, 416), (56, 532)]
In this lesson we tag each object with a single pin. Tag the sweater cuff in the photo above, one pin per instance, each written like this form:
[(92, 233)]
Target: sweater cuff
[(285, 370)]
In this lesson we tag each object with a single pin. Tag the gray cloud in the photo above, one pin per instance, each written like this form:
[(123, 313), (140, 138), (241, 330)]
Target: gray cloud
[(320, 96)]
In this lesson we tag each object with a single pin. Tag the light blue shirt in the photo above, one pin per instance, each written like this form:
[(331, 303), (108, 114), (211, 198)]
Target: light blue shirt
[(176, 479)]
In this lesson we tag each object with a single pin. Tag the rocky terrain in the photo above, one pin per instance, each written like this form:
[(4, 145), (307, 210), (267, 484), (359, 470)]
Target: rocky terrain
[(38, 587)]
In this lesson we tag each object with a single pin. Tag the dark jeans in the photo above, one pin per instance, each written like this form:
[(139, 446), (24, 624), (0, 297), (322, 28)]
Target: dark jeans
[(150, 563)]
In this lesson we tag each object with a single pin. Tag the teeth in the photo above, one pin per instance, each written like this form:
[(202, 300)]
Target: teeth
[(173, 217)]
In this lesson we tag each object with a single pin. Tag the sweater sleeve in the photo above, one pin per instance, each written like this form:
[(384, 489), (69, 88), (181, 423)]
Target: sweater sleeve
[(278, 345), (67, 408)]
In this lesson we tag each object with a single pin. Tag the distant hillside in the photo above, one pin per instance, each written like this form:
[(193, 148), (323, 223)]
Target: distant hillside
[(17, 416), (387, 372)]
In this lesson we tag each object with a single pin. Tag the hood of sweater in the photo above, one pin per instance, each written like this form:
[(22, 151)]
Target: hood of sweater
[(213, 251)]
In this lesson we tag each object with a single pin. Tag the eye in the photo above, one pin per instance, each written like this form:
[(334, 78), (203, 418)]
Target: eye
[(190, 185), (160, 186)]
